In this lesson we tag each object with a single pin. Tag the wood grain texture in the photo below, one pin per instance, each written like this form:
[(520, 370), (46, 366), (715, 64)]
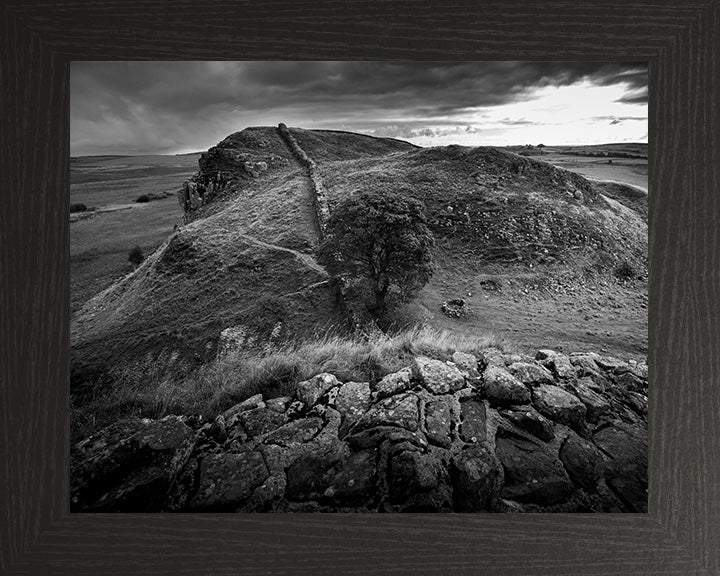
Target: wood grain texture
[(680, 536)]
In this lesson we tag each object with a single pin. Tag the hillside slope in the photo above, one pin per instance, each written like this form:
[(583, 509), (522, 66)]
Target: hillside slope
[(515, 236)]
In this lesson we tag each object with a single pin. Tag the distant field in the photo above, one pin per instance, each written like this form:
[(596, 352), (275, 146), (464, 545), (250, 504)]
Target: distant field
[(624, 163), (101, 238)]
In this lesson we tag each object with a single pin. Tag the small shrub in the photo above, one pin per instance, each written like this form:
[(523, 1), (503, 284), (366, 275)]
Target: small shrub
[(77, 207), (143, 198), (136, 256), (625, 271)]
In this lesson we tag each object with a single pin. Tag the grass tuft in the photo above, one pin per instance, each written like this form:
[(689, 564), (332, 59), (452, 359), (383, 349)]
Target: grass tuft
[(157, 387)]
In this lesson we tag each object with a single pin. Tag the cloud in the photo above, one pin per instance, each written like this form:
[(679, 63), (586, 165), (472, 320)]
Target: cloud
[(145, 107)]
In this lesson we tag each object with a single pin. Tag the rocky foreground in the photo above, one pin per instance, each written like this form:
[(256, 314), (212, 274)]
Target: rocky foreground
[(497, 433)]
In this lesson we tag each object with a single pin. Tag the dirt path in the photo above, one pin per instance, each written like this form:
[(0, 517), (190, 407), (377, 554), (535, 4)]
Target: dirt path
[(306, 259)]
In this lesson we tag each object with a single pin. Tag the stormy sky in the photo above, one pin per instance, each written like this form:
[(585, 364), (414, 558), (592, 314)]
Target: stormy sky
[(177, 107)]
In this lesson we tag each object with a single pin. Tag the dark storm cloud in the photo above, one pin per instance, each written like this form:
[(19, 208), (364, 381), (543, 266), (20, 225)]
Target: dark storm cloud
[(141, 107)]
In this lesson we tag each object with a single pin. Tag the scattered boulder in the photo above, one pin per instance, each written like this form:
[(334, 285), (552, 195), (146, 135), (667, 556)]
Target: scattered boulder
[(582, 460), (477, 478), (436, 376), (438, 422), (419, 483), (473, 421), (595, 404), (127, 466), (502, 388), (531, 373), (227, 480), (255, 401), (310, 391), (491, 356), (400, 410), (528, 419), (465, 361), (454, 308), (311, 474), (555, 403), (533, 472), (393, 383), (352, 401), (259, 421)]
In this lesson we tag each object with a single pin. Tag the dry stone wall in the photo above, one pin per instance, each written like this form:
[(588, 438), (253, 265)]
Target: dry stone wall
[(358, 317), (492, 432)]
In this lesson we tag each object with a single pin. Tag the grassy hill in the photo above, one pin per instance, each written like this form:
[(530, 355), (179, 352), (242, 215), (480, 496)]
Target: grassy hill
[(540, 254)]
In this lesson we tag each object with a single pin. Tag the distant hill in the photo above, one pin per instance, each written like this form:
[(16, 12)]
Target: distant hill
[(513, 234)]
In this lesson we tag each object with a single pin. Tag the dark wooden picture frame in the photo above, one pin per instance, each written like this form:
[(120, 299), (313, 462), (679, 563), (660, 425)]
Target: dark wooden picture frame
[(680, 534)]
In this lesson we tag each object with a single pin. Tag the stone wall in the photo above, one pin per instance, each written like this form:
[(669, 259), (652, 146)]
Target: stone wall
[(322, 209), (358, 317), (492, 432)]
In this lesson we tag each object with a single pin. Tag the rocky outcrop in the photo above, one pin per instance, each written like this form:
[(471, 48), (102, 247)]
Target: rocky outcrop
[(462, 436), (239, 158)]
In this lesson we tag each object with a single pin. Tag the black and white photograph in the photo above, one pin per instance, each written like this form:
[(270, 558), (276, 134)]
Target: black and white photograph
[(359, 286)]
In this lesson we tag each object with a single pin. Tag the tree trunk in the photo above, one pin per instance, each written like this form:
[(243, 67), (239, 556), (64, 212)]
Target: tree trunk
[(380, 294)]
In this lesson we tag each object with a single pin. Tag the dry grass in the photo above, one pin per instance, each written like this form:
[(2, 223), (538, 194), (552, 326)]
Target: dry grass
[(157, 387)]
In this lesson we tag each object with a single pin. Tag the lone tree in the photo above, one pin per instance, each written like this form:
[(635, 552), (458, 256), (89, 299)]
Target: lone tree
[(381, 241)]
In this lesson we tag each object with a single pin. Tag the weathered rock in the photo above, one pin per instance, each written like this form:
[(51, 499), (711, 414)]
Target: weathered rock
[(393, 383), (438, 377), (438, 422), (218, 429), (356, 483), (555, 403), (545, 354), (626, 472), (310, 391), (595, 405), (584, 363), (295, 410), (295, 432), (610, 364), (473, 421), (502, 388), (631, 382), (465, 361), (454, 308), (373, 437), (640, 370), (582, 460), (560, 365), (438, 448), (533, 472), (255, 401), (352, 401), (310, 475), (637, 402), (127, 466), (227, 480), (531, 373), (477, 478), (279, 404), (491, 356), (260, 421), (527, 418), (419, 483), (400, 410)]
